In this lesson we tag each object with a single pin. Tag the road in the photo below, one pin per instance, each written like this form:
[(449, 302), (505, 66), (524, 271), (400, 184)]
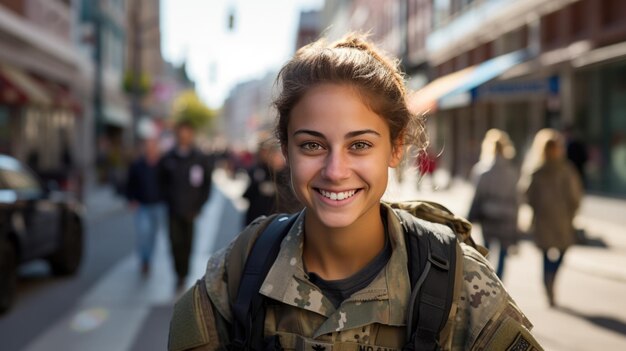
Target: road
[(108, 306)]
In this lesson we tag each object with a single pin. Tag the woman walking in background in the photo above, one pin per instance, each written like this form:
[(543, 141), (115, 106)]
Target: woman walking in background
[(496, 202), (553, 190)]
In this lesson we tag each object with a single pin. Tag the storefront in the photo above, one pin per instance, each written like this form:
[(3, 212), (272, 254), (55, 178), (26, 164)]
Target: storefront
[(469, 102), (601, 123), (38, 119)]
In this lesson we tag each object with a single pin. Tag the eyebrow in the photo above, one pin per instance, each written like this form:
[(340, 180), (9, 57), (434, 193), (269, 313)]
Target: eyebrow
[(349, 135)]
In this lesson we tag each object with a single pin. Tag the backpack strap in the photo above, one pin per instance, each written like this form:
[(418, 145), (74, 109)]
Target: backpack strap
[(248, 309), (431, 270)]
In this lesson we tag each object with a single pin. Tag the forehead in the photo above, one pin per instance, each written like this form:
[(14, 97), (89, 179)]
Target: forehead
[(335, 106)]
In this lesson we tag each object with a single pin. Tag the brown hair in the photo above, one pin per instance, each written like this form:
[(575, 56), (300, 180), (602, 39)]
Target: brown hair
[(356, 62)]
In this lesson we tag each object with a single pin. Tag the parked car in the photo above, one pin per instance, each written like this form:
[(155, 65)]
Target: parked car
[(35, 222)]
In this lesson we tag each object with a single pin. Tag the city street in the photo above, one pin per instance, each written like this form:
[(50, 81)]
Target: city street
[(125, 105), (108, 306)]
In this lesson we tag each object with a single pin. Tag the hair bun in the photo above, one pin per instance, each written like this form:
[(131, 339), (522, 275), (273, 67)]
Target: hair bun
[(353, 41)]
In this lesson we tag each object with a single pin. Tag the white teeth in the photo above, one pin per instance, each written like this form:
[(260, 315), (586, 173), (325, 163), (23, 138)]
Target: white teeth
[(338, 196)]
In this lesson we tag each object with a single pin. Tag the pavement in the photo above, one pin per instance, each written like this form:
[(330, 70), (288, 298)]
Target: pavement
[(102, 202)]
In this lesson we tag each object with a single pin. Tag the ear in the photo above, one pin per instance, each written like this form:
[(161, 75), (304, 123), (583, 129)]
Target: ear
[(397, 152)]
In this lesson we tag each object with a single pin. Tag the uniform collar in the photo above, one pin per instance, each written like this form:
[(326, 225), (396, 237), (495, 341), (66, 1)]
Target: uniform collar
[(384, 300)]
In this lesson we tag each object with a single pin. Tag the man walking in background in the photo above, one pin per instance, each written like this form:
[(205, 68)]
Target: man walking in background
[(144, 196), (185, 178)]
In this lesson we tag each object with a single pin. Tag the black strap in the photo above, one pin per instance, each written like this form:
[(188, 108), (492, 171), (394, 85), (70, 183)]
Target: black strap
[(432, 258), (248, 310)]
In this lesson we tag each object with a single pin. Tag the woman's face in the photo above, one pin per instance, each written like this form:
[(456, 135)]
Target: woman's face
[(339, 153)]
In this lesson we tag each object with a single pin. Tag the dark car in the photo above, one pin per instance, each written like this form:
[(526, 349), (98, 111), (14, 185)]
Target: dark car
[(35, 222)]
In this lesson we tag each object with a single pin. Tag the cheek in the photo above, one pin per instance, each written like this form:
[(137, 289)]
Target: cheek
[(301, 169), (373, 169)]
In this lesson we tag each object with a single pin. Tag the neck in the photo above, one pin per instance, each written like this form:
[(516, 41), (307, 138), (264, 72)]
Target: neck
[(338, 253)]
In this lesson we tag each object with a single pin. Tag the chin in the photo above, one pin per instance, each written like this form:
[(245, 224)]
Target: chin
[(336, 220)]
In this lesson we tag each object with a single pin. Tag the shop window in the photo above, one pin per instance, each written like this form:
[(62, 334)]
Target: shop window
[(549, 30), (5, 130), (613, 12), (616, 110)]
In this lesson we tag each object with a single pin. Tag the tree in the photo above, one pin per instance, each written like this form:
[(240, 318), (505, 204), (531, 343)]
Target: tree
[(189, 108), (144, 83)]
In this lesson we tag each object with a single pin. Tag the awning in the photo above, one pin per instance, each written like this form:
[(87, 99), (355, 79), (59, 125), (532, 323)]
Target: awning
[(461, 95), (17, 87), (455, 88), (425, 99)]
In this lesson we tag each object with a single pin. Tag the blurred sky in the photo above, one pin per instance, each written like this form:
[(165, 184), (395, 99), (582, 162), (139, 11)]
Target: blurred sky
[(263, 38)]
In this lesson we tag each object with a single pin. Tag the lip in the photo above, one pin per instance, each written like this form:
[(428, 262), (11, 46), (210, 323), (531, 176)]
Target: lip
[(337, 203)]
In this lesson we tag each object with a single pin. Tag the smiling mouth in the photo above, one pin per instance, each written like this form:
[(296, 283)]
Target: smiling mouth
[(337, 196)]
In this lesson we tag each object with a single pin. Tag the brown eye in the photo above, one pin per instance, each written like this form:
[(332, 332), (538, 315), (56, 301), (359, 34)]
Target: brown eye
[(311, 146), (360, 145)]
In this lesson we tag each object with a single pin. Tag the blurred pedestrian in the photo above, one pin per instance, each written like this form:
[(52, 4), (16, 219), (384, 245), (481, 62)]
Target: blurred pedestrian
[(348, 272), (185, 179), (262, 192), (553, 190), (495, 203), (145, 199)]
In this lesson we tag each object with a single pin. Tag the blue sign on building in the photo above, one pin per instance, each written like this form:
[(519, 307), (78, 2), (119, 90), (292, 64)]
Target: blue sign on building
[(516, 89)]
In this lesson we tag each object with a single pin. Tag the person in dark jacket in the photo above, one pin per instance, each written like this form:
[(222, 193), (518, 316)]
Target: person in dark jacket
[(185, 178), (144, 197), (269, 190)]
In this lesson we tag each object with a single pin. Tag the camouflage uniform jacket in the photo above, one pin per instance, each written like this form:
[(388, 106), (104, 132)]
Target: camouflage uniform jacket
[(483, 315)]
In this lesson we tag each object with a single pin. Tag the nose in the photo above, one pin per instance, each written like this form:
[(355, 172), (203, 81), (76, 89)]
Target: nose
[(336, 166)]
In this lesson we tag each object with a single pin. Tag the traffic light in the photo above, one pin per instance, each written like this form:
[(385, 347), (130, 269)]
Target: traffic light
[(231, 20)]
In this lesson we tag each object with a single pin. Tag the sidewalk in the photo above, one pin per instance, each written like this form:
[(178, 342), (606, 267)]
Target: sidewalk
[(603, 219)]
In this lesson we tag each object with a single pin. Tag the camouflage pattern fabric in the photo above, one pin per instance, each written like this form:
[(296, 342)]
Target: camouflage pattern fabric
[(484, 317)]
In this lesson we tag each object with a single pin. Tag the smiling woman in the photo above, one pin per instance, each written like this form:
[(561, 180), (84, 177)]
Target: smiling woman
[(349, 271), (339, 151)]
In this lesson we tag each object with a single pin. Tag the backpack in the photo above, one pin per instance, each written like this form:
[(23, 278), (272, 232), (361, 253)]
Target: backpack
[(431, 266)]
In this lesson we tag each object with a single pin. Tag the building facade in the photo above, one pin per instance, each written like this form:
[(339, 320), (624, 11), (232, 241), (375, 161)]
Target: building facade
[(44, 89), (145, 80), (532, 64)]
